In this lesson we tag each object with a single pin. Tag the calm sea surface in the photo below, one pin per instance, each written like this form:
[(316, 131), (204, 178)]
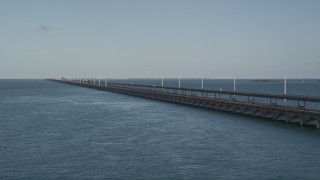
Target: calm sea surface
[(55, 131)]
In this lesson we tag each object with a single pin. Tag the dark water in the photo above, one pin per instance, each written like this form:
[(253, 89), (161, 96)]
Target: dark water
[(55, 131)]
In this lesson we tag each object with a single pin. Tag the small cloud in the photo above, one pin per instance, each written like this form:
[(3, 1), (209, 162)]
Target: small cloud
[(45, 28)]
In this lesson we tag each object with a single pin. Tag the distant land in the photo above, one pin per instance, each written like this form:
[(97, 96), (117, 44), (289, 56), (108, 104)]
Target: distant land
[(265, 80)]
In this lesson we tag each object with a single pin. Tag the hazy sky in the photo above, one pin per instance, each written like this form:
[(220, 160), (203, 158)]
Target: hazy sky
[(151, 38)]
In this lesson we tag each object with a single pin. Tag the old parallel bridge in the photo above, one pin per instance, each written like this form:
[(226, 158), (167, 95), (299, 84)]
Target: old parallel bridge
[(236, 102)]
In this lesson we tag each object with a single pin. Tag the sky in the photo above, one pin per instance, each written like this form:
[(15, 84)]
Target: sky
[(154, 38)]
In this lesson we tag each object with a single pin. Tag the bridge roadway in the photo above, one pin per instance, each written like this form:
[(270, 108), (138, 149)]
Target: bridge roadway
[(201, 98)]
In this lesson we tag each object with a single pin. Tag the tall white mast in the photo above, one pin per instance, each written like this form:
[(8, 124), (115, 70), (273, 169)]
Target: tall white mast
[(234, 84), (202, 82), (162, 81), (285, 84), (179, 80)]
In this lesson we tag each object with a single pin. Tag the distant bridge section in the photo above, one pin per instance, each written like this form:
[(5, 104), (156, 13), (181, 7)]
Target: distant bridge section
[(228, 101)]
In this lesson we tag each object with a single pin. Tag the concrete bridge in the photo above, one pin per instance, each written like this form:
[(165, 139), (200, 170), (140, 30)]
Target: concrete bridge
[(212, 99)]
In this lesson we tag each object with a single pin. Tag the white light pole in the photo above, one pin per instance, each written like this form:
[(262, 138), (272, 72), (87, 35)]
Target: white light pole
[(179, 80), (202, 82), (162, 81), (234, 84), (285, 84)]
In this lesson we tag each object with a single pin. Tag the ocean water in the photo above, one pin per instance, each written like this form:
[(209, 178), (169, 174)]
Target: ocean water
[(50, 130)]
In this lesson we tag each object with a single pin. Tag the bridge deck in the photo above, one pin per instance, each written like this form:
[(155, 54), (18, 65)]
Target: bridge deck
[(251, 94), (288, 114)]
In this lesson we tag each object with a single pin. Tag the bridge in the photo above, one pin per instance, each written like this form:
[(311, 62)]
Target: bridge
[(229, 101)]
